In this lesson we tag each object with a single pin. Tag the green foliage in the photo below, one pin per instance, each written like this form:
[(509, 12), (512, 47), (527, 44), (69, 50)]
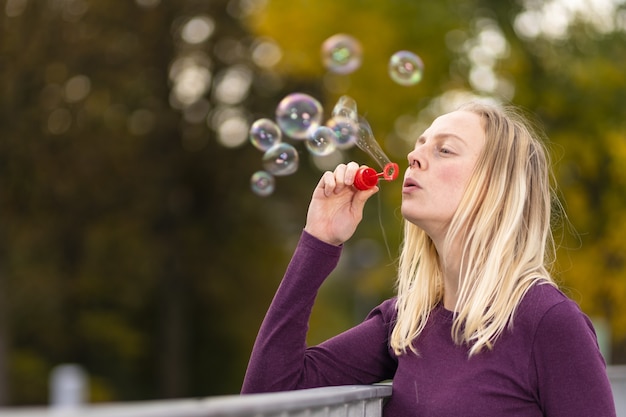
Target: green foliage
[(580, 101), (131, 243), (122, 250)]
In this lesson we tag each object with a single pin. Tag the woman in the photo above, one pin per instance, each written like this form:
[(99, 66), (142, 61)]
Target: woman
[(478, 327)]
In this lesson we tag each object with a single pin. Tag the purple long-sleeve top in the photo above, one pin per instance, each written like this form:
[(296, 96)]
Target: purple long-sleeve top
[(548, 364)]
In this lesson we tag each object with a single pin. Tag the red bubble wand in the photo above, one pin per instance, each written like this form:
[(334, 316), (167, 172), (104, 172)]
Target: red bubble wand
[(367, 177)]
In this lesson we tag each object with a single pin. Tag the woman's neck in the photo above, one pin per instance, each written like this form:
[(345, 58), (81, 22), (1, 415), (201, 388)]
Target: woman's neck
[(450, 290), (451, 266)]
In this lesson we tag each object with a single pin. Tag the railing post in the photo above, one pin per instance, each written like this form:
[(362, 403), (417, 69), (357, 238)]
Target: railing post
[(617, 376)]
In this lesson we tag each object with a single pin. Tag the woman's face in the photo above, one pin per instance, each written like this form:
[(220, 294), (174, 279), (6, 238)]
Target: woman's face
[(439, 169)]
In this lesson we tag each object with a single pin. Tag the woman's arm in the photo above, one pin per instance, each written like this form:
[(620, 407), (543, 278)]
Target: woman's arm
[(280, 359)]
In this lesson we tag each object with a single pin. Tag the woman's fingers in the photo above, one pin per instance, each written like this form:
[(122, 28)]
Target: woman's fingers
[(328, 183), (337, 206), (350, 172), (336, 181)]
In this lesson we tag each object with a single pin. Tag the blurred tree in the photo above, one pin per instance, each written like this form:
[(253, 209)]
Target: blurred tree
[(570, 75), (131, 242)]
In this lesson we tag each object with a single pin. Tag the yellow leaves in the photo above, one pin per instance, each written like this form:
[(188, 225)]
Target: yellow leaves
[(616, 142), (594, 272), (600, 74), (301, 27), (593, 182)]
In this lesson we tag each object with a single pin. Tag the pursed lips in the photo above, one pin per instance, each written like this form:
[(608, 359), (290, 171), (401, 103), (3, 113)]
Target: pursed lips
[(409, 185)]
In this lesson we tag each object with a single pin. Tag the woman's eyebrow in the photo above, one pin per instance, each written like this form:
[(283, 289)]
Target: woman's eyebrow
[(450, 135), (444, 135)]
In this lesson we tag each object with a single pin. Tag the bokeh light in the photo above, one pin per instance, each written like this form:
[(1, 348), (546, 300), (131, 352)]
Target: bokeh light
[(198, 29), (191, 78), (233, 131), (230, 124), (232, 85), (266, 53), (77, 88)]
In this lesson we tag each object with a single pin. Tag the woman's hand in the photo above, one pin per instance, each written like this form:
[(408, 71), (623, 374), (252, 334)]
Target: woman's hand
[(336, 207)]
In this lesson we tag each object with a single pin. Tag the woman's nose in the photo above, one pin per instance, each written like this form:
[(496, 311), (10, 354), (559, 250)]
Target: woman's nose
[(416, 160)]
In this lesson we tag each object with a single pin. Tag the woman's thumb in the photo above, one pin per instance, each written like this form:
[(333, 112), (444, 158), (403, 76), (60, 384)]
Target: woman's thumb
[(361, 197)]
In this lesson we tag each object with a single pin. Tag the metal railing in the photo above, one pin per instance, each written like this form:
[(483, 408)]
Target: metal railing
[(344, 401), (348, 401)]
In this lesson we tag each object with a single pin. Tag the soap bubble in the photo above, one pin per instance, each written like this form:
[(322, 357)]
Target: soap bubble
[(346, 107), (262, 183), (345, 130), (264, 133), (341, 54), (406, 68), (297, 113), (281, 159), (321, 141)]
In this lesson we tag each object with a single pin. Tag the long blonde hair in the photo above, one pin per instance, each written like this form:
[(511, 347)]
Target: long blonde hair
[(503, 222)]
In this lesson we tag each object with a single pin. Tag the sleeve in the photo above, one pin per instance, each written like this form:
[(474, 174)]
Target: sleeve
[(570, 371), (280, 359)]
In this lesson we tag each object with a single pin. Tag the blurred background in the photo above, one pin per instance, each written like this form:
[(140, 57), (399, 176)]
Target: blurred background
[(131, 242)]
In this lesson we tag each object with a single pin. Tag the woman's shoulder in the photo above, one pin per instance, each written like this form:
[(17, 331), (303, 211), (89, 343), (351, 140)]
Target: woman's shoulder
[(386, 310), (545, 303)]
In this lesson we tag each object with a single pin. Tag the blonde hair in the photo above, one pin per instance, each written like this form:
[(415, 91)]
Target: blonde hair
[(503, 224)]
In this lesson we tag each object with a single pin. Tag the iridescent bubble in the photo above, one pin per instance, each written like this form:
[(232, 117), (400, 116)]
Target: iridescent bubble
[(345, 130), (341, 54), (264, 133), (281, 159), (262, 183), (406, 68), (321, 141), (346, 107), (297, 113)]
